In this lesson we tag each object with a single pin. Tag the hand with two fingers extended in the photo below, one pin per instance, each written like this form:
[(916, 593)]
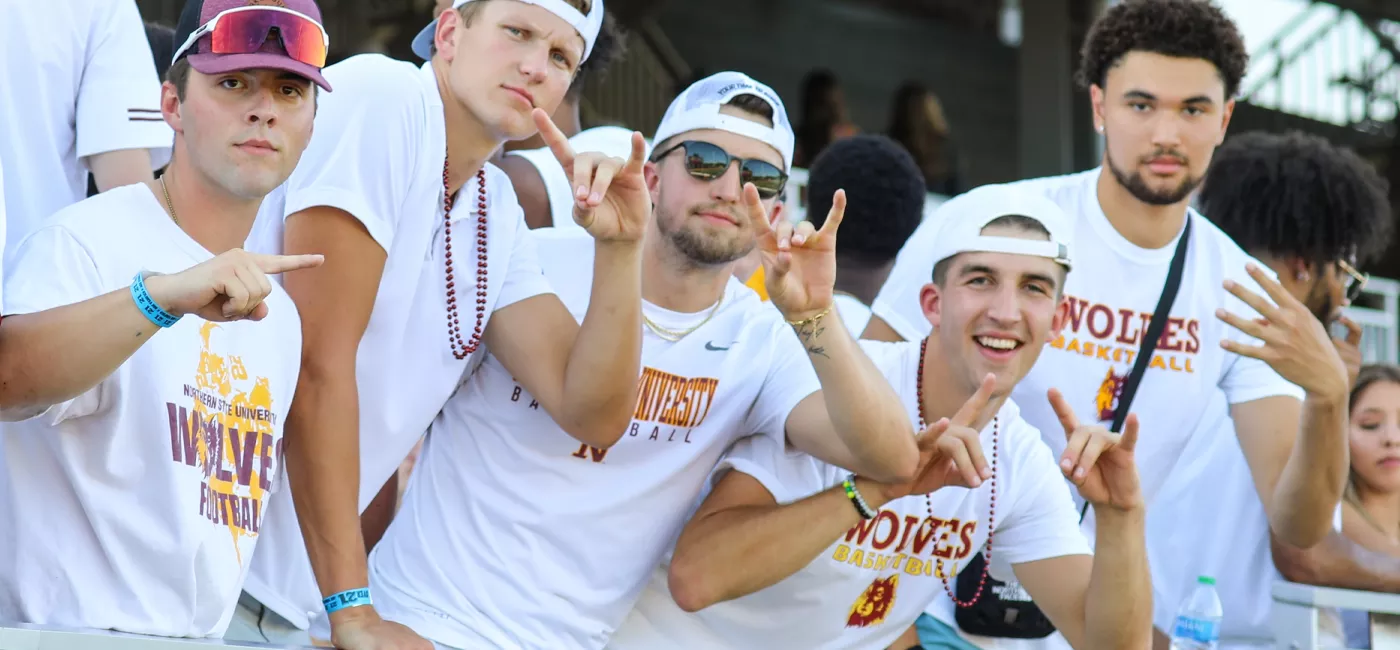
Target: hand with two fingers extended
[(950, 451), (230, 287), (799, 262), (611, 199), (1099, 462), (1295, 343)]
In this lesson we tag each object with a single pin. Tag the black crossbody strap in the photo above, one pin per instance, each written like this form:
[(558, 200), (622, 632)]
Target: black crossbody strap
[(1153, 334)]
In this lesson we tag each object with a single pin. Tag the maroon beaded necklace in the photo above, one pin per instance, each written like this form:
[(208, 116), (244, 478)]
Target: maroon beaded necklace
[(460, 348), (991, 510)]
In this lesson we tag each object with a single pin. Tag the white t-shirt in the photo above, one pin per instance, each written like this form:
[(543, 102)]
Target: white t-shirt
[(2, 238), (1106, 318), (611, 140), (854, 313), (377, 154), (79, 80), (514, 534), (875, 580), (136, 506)]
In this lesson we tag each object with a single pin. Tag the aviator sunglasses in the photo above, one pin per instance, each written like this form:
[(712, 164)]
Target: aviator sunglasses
[(243, 30), (709, 162)]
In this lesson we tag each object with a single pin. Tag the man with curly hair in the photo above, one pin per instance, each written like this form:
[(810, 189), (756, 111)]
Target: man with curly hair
[(1312, 212), (1162, 76)]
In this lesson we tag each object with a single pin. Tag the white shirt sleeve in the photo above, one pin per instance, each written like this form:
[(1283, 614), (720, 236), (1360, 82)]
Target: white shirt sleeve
[(51, 268), (524, 275), (789, 379), (118, 103), (2, 241), (789, 475), (363, 155), (898, 301), (1042, 521), (1244, 379)]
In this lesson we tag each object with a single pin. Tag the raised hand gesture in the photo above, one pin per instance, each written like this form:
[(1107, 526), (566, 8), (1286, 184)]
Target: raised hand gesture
[(611, 200), (1099, 462), (1295, 343), (229, 287), (799, 264), (950, 451)]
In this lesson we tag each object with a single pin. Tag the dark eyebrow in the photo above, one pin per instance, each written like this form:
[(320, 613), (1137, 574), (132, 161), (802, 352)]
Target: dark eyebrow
[(976, 268), (1040, 277), (1149, 97)]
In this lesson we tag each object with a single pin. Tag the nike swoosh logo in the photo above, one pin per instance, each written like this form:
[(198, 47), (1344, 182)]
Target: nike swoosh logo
[(714, 348)]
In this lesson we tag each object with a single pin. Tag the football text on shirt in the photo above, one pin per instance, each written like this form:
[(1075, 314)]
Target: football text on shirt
[(668, 408), (228, 433)]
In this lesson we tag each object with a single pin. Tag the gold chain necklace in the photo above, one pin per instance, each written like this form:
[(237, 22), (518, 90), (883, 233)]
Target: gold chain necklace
[(676, 335), (168, 205)]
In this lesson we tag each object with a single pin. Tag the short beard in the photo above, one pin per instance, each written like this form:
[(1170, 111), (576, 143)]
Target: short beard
[(696, 248), (1138, 187), (1319, 301)]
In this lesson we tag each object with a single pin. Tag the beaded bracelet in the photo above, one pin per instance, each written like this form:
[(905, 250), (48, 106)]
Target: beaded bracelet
[(863, 508)]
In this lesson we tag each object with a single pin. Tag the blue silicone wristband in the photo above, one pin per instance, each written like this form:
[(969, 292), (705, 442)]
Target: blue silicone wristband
[(346, 600), (148, 306)]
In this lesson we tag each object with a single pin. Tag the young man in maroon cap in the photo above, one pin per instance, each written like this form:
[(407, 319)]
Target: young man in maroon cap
[(133, 493)]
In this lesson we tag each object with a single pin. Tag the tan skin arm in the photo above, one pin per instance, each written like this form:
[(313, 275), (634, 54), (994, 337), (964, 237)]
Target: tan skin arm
[(120, 168)]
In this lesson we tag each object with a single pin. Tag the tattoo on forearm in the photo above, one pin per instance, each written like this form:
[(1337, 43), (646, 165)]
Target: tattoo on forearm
[(809, 333)]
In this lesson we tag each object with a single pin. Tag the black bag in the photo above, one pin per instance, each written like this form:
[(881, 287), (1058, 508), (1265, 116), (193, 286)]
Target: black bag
[(1005, 609)]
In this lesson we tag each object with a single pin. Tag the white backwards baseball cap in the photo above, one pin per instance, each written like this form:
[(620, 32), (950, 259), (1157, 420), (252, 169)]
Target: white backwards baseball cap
[(966, 215), (587, 26), (698, 108)]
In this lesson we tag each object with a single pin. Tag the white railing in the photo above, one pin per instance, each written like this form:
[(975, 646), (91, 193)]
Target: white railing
[(1299, 610), (19, 636), (795, 197), (1379, 325)]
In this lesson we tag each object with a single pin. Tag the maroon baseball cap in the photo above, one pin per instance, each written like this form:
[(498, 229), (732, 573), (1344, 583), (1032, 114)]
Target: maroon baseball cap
[(276, 34)]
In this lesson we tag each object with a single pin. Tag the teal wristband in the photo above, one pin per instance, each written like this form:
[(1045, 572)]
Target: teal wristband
[(346, 599), (148, 306)]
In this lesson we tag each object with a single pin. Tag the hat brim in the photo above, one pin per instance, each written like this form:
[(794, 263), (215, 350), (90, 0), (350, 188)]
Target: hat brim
[(223, 63), (423, 42)]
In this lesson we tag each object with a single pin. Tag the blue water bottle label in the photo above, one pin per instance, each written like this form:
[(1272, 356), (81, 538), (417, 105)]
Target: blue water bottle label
[(1196, 629)]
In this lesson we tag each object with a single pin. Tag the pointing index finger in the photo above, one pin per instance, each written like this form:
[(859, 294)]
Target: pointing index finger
[(638, 159), (1068, 419), (757, 215), (836, 214), (552, 136), (972, 409), (275, 264)]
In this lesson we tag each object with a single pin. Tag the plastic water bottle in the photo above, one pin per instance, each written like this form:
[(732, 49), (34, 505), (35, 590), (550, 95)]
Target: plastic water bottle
[(1197, 624)]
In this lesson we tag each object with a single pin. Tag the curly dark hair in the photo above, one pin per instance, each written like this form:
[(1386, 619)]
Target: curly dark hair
[(1192, 29), (608, 48), (884, 196), (1296, 194)]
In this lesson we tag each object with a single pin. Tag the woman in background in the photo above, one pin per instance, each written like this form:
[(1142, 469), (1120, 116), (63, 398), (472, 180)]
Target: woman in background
[(918, 123), (824, 117)]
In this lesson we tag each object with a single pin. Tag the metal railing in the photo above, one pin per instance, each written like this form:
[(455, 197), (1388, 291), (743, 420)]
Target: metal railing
[(1379, 323), (1299, 612), (1329, 64), (20, 636)]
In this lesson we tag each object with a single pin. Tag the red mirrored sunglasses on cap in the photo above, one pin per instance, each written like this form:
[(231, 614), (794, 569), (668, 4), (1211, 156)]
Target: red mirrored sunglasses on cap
[(243, 30)]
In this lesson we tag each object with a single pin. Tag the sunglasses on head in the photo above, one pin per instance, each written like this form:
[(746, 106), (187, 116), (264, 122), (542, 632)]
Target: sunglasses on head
[(1356, 281), (708, 162), (243, 30)]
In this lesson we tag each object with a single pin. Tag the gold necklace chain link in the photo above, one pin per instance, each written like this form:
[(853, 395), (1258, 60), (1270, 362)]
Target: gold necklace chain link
[(676, 335)]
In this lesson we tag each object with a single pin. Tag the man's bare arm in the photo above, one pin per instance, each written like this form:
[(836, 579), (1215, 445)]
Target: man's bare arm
[(323, 427), (1099, 601), (741, 540), (857, 420), (52, 356), (1337, 562), (585, 376), (121, 167), (1299, 474)]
